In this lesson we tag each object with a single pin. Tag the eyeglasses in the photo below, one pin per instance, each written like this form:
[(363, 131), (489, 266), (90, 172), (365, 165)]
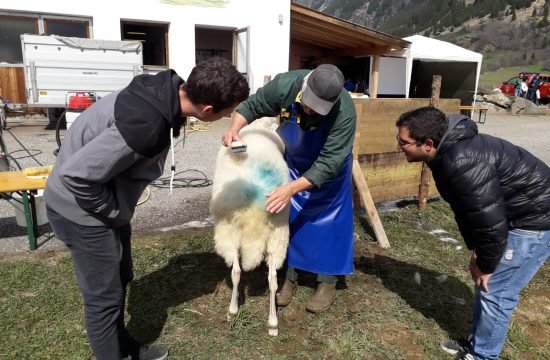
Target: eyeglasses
[(403, 143)]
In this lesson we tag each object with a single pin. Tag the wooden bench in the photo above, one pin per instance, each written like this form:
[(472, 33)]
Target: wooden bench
[(16, 181), (469, 110)]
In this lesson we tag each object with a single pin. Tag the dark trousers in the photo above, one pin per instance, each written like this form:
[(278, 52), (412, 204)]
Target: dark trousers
[(102, 262), (291, 274)]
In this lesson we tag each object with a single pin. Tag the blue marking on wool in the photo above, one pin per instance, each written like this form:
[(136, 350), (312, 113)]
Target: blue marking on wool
[(264, 179)]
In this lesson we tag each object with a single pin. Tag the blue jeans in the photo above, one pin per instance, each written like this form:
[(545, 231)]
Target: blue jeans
[(525, 253)]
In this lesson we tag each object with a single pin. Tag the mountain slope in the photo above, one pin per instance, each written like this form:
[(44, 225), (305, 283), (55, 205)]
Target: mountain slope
[(507, 33)]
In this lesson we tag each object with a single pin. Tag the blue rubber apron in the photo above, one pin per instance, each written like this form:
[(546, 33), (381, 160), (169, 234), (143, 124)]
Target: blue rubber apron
[(321, 219)]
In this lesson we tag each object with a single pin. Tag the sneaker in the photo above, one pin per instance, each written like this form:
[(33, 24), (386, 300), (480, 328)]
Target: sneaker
[(149, 352), (454, 347), (465, 356)]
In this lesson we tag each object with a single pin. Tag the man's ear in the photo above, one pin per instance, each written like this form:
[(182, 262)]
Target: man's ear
[(430, 146), (207, 109)]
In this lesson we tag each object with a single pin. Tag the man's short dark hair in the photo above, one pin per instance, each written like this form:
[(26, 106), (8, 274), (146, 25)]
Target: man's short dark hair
[(424, 123), (216, 82)]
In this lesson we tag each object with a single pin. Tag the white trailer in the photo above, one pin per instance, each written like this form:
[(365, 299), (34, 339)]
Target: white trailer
[(55, 66)]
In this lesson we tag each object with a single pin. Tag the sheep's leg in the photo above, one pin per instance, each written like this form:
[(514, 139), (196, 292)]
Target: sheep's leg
[(272, 278), (235, 278)]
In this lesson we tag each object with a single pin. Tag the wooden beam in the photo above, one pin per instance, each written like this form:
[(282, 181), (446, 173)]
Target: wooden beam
[(324, 32), (298, 12), (364, 51), (366, 199), (373, 87), (343, 39), (426, 174)]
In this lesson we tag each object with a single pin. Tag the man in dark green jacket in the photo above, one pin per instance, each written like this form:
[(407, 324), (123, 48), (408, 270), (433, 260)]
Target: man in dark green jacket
[(317, 125)]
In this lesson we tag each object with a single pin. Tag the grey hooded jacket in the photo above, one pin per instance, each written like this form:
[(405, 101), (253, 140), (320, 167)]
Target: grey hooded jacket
[(114, 150)]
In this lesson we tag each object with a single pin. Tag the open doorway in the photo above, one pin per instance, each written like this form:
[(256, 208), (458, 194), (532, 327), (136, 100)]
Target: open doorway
[(155, 42), (211, 42), (228, 43)]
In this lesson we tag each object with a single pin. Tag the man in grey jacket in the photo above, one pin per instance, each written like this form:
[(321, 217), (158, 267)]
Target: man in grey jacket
[(108, 157)]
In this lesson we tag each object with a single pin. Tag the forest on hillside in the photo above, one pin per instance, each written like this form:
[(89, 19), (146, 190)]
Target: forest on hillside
[(507, 33)]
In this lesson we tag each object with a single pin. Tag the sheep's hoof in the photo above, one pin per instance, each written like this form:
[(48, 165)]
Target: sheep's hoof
[(231, 315), (233, 310), (273, 331)]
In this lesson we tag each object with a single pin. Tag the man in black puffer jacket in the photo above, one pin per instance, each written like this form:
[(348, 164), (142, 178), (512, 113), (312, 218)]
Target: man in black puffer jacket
[(500, 195)]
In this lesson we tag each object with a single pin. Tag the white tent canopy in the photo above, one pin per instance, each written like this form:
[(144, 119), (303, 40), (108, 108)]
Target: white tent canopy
[(461, 68)]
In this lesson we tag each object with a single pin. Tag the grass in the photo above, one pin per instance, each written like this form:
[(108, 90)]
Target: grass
[(492, 79), (181, 291)]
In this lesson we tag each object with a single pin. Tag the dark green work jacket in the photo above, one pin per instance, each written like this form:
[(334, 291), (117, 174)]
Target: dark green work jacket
[(276, 98)]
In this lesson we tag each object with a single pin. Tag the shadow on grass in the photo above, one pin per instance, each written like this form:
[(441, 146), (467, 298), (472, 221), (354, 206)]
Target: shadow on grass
[(184, 278), (448, 303)]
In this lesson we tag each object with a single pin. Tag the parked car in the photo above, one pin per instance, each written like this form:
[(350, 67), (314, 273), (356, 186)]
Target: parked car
[(544, 88)]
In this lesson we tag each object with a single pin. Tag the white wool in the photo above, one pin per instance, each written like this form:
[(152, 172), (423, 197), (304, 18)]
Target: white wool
[(243, 228)]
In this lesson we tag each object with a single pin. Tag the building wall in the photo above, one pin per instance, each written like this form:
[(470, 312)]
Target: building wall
[(269, 39)]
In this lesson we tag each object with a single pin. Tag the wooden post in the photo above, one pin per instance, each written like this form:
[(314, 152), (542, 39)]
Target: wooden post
[(436, 90), (424, 187), (373, 86), (366, 198)]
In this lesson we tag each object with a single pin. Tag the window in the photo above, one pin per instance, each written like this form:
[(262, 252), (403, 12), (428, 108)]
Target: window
[(62, 27), (154, 38), (11, 28)]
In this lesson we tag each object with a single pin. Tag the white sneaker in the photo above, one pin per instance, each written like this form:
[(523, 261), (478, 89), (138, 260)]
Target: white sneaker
[(453, 347)]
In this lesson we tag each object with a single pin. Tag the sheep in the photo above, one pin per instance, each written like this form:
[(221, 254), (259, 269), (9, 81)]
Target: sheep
[(243, 229)]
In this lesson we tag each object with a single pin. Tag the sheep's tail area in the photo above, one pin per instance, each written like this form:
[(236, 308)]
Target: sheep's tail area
[(243, 226)]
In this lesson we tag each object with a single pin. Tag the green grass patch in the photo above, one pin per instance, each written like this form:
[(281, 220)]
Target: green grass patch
[(394, 306)]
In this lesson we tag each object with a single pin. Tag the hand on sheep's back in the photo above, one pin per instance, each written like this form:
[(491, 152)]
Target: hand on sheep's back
[(278, 199)]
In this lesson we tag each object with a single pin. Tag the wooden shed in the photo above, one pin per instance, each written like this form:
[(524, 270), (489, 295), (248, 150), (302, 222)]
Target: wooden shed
[(317, 38)]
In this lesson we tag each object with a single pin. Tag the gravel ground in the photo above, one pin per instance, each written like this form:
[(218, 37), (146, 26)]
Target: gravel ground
[(188, 206)]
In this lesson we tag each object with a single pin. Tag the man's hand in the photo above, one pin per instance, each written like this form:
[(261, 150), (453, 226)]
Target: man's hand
[(480, 279), (229, 136), (278, 199), (237, 123)]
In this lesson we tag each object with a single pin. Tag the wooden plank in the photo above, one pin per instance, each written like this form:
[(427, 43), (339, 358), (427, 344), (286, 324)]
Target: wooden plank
[(12, 84), (376, 120), (304, 15), (11, 181), (366, 198), (390, 176)]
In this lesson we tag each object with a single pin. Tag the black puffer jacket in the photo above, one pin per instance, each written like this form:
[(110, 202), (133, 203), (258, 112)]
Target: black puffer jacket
[(492, 186)]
